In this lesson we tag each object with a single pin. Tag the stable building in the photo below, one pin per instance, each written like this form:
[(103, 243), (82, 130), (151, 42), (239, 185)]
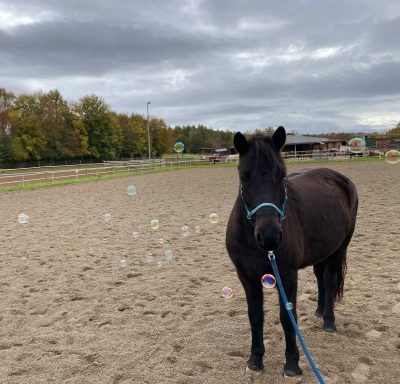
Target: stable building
[(296, 143)]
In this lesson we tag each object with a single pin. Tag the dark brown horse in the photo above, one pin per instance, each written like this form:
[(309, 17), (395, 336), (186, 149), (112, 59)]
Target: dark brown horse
[(320, 217)]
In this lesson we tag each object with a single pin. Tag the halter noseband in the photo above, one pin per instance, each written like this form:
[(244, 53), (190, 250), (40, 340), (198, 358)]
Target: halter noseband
[(281, 210)]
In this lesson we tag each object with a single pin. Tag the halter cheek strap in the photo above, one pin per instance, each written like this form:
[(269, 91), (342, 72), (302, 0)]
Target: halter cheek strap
[(281, 211)]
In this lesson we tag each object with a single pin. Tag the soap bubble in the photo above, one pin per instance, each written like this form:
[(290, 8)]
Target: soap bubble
[(149, 257), (179, 147), (131, 190), (123, 263), (107, 217), (155, 224), (185, 231), (289, 306), (135, 235), (392, 156), (23, 218), (268, 281), (213, 218), (168, 255), (227, 292), (357, 145)]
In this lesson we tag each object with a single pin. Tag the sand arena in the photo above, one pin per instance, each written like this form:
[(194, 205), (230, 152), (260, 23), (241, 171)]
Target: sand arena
[(71, 314)]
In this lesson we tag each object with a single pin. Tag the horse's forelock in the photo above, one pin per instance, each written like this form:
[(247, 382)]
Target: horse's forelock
[(264, 148)]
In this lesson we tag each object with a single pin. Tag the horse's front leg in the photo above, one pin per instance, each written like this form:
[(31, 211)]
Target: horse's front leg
[(291, 367), (255, 299)]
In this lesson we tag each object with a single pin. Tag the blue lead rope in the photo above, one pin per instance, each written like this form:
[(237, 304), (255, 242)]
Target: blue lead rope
[(271, 257)]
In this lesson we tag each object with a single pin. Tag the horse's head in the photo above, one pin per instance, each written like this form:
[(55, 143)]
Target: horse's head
[(262, 177)]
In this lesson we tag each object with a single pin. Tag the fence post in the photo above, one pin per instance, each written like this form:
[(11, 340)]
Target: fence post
[(97, 173), (52, 176), (23, 180)]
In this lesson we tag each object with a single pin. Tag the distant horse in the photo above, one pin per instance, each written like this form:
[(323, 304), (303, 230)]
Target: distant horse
[(320, 206)]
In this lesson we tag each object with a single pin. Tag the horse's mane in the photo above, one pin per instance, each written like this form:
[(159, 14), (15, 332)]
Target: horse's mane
[(265, 147)]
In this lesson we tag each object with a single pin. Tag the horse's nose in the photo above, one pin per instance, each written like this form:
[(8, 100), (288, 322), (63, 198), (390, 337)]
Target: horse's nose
[(269, 241)]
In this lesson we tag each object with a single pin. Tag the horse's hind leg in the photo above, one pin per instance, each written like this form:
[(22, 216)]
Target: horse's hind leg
[(319, 273)]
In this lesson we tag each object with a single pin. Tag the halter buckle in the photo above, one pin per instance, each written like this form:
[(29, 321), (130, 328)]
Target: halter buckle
[(271, 255)]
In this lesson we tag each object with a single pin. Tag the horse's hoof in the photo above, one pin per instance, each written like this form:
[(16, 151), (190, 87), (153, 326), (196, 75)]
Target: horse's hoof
[(254, 370), (293, 373), (330, 328)]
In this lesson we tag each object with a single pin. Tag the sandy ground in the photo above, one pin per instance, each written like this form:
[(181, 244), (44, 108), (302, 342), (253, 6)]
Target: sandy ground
[(69, 313)]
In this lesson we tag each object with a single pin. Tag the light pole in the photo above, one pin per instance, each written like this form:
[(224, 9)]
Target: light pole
[(148, 128)]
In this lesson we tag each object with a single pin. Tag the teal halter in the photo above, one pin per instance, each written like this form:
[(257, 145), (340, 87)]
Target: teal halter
[(281, 210)]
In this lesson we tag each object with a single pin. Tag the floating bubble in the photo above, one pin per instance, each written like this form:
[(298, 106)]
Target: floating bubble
[(149, 257), (155, 224), (213, 218), (268, 281), (107, 217), (168, 255), (227, 292), (197, 229), (23, 218), (123, 263), (135, 235), (392, 156), (131, 190), (179, 147), (289, 306), (185, 231), (357, 145)]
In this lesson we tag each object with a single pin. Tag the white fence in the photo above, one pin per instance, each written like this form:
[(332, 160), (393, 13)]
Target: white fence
[(51, 173), (108, 168)]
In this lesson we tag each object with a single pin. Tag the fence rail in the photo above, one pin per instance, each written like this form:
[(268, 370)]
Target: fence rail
[(50, 174)]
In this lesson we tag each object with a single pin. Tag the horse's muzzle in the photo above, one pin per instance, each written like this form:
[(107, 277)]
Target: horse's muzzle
[(268, 241)]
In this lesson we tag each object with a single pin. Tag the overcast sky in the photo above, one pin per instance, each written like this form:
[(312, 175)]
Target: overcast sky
[(312, 66)]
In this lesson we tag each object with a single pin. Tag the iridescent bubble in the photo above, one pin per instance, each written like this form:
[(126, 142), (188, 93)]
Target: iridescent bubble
[(149, 257), (213, 218), (179, 147), (392, 156), (23, 218), (135, 235), (357, 145), (268, 281), (289, 306), (155, 224), (168, 255), (227, 292), (131, 190), (123, 263), (185, 231), (107, 217)]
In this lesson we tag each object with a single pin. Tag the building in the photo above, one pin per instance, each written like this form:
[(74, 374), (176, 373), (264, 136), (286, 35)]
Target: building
[(296, 143)]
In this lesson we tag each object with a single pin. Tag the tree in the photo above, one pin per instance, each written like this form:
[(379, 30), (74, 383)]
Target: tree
[(102, 127), (6, 106), (395, 130)]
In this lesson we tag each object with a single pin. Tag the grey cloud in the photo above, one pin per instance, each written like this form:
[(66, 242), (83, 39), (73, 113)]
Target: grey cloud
[(225, 63)]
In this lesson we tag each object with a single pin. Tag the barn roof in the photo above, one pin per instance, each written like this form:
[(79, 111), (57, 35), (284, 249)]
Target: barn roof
[(295, 140)]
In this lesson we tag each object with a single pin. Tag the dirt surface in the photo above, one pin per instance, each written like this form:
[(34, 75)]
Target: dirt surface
[(70, 313)]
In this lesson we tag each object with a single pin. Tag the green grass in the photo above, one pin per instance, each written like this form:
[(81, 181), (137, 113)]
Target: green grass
[(160, 169)]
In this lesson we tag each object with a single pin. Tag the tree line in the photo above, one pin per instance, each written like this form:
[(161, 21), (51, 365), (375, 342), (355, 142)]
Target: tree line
[(45, 126)]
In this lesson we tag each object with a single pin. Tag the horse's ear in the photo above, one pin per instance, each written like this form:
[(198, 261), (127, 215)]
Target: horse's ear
[(240, 143), (279, 138)]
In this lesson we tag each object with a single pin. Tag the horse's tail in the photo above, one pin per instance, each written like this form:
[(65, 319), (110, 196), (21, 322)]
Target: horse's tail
[(341, 262), (341, 272)]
